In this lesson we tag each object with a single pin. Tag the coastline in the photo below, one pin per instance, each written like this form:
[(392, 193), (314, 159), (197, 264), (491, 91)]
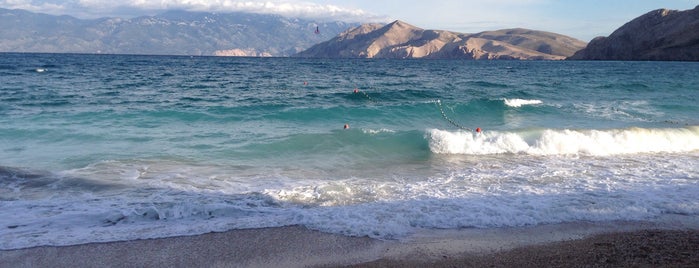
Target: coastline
[(673, 241)]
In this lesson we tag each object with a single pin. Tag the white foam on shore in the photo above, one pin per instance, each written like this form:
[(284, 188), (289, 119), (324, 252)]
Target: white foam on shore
[(295, 246), (127, 200)]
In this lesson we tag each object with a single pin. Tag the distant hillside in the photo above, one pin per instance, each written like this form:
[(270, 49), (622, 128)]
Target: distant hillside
[(402, 40), (658, 35), (171, 33)]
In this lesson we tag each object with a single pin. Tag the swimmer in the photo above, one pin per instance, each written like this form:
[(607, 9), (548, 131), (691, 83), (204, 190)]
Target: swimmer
[(346, 126)]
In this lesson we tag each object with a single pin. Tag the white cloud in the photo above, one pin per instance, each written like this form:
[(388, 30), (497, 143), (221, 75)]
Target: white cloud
[(32, 5), (99, 8)]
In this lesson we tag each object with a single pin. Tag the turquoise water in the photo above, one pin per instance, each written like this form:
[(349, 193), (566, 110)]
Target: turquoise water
[(107, 147)]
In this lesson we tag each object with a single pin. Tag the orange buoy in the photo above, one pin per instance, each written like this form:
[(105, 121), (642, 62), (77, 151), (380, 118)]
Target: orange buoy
[(478, 130)]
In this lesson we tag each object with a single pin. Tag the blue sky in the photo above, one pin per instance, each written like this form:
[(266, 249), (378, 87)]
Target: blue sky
[(583, 19)]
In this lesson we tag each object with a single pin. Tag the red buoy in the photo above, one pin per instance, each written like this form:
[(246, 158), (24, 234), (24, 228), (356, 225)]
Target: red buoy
[(478, 130)]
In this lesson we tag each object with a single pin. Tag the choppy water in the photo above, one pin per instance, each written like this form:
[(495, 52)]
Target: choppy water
[(104, 148)]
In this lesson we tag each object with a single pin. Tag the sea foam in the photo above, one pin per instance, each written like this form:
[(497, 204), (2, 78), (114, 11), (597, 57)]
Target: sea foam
[(566, 141), (520, 102)]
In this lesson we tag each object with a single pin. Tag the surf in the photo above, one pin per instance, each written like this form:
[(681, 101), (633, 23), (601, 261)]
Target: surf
[(520, 102), (594, 142)]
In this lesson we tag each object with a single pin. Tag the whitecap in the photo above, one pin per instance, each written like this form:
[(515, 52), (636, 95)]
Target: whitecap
[(521, 102), (566, 141)]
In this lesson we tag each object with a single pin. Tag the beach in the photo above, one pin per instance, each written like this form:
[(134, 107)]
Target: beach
[(674, 243), (647, 248)]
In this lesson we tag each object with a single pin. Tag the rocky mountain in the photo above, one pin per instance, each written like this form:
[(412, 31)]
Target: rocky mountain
[(402, 40), (171, 33), (658, 35)]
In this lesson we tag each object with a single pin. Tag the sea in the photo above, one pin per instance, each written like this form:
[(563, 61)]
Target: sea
[(98, 148)]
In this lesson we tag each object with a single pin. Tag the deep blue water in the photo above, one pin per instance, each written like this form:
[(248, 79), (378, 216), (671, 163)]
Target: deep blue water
[(113, 147)]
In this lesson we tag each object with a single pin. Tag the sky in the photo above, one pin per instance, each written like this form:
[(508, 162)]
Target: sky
[(582, 19)]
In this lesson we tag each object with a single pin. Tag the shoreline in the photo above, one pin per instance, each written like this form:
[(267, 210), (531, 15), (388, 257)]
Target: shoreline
[(673, 241), (641, 248)]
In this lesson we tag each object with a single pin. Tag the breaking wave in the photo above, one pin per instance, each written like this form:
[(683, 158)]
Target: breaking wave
[(566, 141), (520, 102)]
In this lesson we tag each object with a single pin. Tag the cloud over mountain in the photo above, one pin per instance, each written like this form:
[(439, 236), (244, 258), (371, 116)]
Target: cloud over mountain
[(102, 8)]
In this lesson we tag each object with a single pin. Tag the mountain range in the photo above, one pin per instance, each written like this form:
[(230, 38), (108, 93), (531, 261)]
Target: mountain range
[(657, 35), (170, 33), (402, 40)]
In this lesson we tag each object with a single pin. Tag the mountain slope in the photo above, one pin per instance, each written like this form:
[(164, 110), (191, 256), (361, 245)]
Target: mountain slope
[(540, 41), (657, 35), (402, 40), (172, 33)]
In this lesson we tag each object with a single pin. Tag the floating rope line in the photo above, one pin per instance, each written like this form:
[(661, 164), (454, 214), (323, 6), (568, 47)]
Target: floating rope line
[(356, 90), (439, 104)]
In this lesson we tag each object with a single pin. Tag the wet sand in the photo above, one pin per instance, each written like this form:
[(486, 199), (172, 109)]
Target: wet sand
[(673, 243), (647, 248)]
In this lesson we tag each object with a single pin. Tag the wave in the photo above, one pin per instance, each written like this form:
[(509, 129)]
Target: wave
[(566, 142), (487, 84), (377, 131), (354, 143), (520, 102)]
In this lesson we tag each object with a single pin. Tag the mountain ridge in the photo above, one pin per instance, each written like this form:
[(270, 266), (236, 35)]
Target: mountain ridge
[(170, 33), (660, 34), (399, 39)]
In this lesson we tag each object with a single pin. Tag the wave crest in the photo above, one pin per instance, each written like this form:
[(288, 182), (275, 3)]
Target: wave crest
[(520, 102), (566, 142)]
